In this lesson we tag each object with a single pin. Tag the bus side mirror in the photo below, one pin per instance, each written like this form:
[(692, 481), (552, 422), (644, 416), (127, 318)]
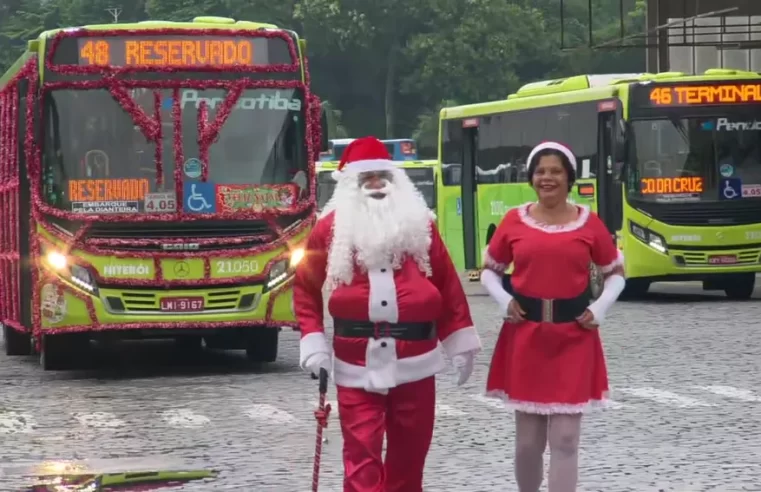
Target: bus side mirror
[(324, 130)]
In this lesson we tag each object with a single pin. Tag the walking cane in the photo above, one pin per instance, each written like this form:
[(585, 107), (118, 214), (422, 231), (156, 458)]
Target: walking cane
[(321, 415)]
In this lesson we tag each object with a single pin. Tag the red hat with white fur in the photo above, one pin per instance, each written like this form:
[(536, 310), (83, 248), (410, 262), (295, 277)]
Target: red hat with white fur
[(364, 155)]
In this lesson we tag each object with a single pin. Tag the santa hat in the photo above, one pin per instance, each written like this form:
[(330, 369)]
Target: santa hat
[(554, 146), (363, 155)]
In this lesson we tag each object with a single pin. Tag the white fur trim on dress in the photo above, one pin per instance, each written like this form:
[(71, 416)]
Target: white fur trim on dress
[(554, 146), (311, 344), (550, 408), (367, 166), (491, 263), (619, 261), (462, 341), (553, 228)]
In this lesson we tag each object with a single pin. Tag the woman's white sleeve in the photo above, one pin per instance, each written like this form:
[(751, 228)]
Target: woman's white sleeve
[(492, 281), (612, 288)]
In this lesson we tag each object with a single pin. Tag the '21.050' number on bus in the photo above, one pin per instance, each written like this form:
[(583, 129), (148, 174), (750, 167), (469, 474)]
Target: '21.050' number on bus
[(236, 266)]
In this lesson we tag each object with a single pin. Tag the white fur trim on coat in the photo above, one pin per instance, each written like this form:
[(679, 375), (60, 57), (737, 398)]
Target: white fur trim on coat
[(383, 370), (554, 146), (619, 261), (462, 341), (367, 166), (311, 344)]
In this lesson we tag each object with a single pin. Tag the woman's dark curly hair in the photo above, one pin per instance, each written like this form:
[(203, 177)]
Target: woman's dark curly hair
[(569, 170)]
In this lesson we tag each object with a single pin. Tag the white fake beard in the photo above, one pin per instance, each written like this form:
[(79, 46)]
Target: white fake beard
[(374, 232)]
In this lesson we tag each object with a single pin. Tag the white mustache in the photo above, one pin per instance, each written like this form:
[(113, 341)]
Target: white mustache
[(387, 187)]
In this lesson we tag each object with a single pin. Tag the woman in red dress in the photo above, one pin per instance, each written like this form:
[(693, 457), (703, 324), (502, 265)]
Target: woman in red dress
[(548, 364)]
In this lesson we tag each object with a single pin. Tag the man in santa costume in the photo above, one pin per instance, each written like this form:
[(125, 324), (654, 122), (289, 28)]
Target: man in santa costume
[(397, 306)]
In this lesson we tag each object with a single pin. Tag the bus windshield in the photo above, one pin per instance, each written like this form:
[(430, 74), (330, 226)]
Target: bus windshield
[(695, 159), (95, 153)]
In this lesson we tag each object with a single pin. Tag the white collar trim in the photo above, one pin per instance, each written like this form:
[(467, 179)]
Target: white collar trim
[(553, 228)]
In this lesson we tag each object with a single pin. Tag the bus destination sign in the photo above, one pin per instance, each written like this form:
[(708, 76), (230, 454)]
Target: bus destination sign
[(168, 51), (703, 94)]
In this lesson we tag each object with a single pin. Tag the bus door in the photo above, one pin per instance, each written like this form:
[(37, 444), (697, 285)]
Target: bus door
[(469, 195), (609, 166)]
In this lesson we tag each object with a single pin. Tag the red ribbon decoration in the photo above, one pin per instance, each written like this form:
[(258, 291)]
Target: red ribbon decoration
[(151, 127)]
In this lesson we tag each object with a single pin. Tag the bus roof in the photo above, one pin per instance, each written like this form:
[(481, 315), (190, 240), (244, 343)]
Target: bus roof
[(203, 22), (581, 88), (36, 47)]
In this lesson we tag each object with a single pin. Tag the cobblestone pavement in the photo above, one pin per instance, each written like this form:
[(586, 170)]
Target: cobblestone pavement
[(684, 372)]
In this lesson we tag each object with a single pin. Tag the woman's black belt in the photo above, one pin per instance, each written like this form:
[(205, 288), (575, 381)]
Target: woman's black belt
[(368, 329), (552, 310)]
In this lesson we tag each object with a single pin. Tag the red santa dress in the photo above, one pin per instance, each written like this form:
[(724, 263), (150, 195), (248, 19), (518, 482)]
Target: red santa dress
[(540, 367), (385, 385)]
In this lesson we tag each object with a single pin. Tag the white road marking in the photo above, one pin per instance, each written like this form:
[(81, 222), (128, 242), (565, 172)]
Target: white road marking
[(443, 410), (99, 420), (732, 392), (16, 423), (269, 413), (664, 397), (184, 418)]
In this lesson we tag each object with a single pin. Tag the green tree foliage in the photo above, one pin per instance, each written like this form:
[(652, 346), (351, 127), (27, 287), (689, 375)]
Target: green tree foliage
[(386, 66)]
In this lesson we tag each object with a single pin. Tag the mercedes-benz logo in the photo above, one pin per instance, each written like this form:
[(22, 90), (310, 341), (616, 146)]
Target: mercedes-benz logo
[(181, 269)]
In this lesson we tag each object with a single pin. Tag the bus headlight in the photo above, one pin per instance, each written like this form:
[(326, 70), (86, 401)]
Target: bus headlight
[(81, 277), (75, 274), (57, 261), (296, 256), (278, 273), (648, 237)]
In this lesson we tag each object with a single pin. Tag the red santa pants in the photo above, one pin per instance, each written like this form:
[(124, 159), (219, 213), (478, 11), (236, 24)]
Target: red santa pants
[(406, 415)]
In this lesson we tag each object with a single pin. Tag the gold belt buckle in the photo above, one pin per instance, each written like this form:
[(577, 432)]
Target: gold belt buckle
[(547, 310)]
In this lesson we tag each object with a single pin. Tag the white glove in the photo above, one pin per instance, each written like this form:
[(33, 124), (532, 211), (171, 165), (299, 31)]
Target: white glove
[(317, 361), (463, 364)]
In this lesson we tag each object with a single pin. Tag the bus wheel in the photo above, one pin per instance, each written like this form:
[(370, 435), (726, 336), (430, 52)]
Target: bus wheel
[(64, 351), (741, 287), (635, 287), (261, 343), (17, 342)]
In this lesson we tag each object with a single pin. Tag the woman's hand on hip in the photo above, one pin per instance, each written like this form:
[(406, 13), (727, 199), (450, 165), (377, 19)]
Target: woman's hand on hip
[(515, 312), (587, 320)]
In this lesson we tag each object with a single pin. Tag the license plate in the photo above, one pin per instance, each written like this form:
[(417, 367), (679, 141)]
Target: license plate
[(722, 259), (181, 304)]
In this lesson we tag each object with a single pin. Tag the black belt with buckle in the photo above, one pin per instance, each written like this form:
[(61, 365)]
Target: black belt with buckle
[(367, 329), (553, 310)]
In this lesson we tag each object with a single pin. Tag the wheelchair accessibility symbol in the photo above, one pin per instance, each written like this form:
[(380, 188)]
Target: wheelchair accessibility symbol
[(730, 189), (199, 198)]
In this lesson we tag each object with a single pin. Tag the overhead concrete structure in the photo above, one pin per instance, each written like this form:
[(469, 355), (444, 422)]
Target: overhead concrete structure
[(688, 35)]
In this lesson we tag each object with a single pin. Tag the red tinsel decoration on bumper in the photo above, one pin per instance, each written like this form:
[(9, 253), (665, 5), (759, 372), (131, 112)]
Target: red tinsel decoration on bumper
[(151, 126)]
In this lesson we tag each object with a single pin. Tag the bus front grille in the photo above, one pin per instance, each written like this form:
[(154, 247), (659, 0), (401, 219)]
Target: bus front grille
[(726, 213)]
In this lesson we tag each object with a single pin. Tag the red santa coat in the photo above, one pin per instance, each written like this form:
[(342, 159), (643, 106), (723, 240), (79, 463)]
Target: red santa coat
[(383, 295)]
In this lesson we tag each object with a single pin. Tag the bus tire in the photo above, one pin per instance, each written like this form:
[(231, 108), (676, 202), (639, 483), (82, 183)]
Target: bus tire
[(64, 351), (262, 344), (17, 342), (635, 288), (741, 288)]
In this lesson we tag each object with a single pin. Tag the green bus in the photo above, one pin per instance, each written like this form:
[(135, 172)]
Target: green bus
[(167, 172), (671, 162)]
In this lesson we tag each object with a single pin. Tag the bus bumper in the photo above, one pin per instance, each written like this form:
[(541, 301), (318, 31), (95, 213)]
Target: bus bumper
[(64, 308), (675, 264)]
